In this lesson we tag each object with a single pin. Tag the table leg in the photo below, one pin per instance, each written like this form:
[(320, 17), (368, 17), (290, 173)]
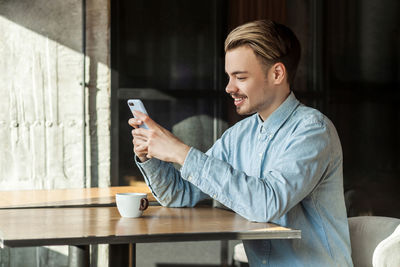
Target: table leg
[(122, 255), (224, 253), (78, 256), (132, 257)]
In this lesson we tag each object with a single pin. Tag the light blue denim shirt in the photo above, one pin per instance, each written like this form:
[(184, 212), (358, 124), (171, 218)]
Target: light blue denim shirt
[(286, 170)]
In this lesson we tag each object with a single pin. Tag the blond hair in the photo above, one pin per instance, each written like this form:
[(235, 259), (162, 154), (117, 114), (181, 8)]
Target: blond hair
[(270, 41)]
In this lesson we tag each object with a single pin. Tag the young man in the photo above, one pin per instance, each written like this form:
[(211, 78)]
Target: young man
[(282, 165)]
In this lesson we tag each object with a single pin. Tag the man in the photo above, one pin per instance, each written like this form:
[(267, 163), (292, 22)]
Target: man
[(283, 164)]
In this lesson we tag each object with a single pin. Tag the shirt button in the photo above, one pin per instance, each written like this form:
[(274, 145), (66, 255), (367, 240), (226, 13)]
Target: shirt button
[(260, 154), (264, 262), (190, 178), (214, 196)]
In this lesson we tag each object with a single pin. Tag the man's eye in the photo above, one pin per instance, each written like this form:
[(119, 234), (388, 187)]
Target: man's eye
[(241, 78)]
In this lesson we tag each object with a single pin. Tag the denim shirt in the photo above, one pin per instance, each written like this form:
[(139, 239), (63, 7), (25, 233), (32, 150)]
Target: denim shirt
[(286, 170)]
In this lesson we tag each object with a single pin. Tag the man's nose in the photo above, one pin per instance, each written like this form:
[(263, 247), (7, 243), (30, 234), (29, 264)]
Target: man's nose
[(230, 88)]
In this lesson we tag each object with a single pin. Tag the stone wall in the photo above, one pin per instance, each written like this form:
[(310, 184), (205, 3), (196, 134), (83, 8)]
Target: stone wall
[(41, 111), (41, 116)]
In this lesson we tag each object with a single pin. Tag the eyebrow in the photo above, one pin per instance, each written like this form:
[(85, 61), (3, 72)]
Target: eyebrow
[(238, 72)]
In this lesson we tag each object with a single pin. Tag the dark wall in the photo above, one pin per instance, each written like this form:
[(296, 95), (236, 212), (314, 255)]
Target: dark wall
[(361, 73)]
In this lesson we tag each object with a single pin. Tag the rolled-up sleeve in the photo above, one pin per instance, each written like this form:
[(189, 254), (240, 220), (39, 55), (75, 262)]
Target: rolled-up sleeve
[(167, 186), (295, 171)]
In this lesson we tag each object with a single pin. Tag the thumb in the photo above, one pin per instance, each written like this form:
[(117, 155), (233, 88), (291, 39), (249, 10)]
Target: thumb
[(144, 118)]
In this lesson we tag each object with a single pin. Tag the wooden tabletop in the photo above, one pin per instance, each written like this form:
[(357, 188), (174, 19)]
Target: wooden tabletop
[(67, 197), (96, 225)]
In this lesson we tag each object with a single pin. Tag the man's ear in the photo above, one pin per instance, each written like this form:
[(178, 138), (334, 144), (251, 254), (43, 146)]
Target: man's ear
[(278, 73)]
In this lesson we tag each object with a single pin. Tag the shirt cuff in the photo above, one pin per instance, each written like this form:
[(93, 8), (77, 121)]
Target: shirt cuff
[(149, 168)]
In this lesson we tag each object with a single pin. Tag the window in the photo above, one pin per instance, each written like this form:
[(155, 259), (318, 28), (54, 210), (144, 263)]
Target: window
[(170, 55)]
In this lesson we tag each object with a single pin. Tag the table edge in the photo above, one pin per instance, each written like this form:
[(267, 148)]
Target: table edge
[(158, 238)]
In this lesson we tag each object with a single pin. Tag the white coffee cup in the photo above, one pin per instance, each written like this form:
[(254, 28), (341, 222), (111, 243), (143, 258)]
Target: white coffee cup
[(131, 205)]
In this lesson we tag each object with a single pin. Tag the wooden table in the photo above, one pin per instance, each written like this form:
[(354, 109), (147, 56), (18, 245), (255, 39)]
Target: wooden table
[(104, 225), (68, 197)]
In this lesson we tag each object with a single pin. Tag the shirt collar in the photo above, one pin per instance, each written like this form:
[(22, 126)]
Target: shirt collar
[(272, 124)]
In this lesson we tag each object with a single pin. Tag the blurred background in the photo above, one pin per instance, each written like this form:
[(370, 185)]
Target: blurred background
[(68, 67), (170, 54)]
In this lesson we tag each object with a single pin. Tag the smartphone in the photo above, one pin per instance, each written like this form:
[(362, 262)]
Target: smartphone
[(137, 104)]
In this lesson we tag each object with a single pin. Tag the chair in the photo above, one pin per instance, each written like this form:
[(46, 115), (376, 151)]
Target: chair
[(239, 256), (375, 242)]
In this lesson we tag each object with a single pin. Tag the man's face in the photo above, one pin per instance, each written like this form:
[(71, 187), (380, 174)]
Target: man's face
[(248, 84)]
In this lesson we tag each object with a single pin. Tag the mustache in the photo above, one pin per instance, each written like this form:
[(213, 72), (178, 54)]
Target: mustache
[(237, 96)]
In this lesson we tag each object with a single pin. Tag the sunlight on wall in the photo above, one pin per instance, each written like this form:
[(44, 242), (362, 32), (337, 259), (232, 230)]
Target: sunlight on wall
[(41, 111)]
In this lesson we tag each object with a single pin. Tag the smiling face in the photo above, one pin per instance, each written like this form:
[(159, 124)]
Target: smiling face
[(252, 87)]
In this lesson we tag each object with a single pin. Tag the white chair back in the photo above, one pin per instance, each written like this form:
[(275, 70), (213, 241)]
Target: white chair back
[(366, 233)]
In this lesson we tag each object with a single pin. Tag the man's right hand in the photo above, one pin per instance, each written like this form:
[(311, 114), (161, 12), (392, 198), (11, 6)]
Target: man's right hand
[(156, 141)]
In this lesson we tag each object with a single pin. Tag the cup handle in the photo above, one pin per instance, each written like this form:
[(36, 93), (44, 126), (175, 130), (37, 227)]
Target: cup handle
[(144, 203)]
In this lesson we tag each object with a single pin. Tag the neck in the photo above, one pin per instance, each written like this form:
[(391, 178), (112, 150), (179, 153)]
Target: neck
[(275, 103)]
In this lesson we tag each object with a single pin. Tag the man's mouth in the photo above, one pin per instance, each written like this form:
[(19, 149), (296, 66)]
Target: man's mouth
[(238, 100)]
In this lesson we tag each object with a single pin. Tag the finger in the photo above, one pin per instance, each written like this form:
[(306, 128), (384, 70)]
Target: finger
[(140, 149), (140, 152), (145, 119), (135, 122), (141, 156), (140, 133), (139, 139), (139, 142)]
